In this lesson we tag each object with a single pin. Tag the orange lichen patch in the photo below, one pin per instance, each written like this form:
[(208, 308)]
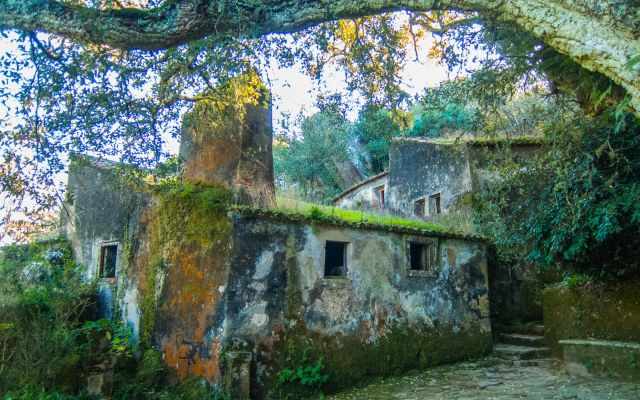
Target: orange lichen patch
[(181, 265), (188, 304), (186, 360), (214, 159)]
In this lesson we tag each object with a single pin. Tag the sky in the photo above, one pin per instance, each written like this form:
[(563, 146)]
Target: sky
[(295, 92)]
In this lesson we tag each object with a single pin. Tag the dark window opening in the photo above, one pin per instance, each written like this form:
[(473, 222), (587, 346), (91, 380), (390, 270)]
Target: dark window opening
[(418, 208), (422, 256), (434, 204), (335, 259), (108, 258), (378, 196)]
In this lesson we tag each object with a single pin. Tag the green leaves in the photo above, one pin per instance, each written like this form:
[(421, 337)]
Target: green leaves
[(578, 203)]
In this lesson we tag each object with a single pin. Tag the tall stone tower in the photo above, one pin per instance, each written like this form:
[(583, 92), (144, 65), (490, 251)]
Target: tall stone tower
[(227, 140)]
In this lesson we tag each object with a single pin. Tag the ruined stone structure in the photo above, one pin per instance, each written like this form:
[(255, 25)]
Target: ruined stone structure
[(198, 281), (227, 139), (428, 177), (237, 294)]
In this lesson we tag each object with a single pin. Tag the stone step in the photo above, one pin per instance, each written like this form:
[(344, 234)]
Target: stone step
[(530, 328), (511, 352), (538, 362), (522, 340)]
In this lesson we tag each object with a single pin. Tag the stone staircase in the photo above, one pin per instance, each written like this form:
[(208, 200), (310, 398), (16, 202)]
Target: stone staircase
[(522, 345)]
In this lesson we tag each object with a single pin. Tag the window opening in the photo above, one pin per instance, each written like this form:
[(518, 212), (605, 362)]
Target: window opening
[(108, 258), (434, 204), (335, 259), (418, 207), (422, 256), (378, 196)]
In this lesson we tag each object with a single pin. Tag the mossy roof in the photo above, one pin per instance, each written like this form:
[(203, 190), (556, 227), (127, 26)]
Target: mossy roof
[(333, 216), (301, 212), (479, 140)]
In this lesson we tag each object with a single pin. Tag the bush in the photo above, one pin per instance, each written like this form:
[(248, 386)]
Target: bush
[(577, 204), (43, 304)]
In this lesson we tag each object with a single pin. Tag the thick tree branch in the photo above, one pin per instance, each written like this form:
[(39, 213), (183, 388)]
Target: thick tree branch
[(595, 43)]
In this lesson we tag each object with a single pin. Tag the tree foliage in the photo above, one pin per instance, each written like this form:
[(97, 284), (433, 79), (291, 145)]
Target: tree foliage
[(311, 161), (576, 204)]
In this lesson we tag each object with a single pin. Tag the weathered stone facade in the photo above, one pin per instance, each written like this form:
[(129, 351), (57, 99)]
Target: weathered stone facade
[(100, 211), (428, 177), (198, 281), (240, 293)]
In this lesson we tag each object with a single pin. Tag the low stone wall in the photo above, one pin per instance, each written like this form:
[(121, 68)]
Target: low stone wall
[(618, 360), (607, 313)]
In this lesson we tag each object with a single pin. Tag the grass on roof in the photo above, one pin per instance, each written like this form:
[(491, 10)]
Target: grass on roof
[(319, 212)]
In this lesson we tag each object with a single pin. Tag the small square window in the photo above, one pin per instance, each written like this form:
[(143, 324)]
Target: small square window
[(378, 197), (418, 208), (422, 256), (434, 204), (108, 259), (335, 259)]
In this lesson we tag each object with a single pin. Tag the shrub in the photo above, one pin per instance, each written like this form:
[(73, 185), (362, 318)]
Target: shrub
[(576, 205), (43, 303)]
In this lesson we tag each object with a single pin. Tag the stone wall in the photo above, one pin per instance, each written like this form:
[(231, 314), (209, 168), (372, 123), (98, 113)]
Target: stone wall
[(256, 283), (606, 312), (419, 168), (199, 280), (100, 209), (361, 197), (380, 319)]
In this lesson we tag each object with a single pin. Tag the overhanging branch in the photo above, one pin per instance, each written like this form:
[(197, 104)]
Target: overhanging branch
[(594, 43)]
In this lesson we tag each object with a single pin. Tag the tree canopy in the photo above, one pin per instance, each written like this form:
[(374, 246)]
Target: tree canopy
[(600, 36)]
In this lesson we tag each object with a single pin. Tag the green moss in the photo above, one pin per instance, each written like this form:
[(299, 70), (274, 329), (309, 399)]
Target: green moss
[(296, 211), (185, 218), (226, 104), (606, 312), (192, 213)]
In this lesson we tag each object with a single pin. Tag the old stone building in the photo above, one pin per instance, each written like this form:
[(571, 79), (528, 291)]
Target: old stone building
[(197, 281), (428, 177), (204, 269)]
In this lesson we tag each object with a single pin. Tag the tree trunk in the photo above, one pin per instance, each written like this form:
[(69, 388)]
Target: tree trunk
[(226, 141), (600, 35)]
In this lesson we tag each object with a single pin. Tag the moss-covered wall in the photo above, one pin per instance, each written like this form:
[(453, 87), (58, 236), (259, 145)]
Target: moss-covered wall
[(203, 279), (179, 266), (607, 312), (227, 138), (380, 319)]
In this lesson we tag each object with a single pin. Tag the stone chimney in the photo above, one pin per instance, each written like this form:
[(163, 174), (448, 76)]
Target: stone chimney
[(227, 139)]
